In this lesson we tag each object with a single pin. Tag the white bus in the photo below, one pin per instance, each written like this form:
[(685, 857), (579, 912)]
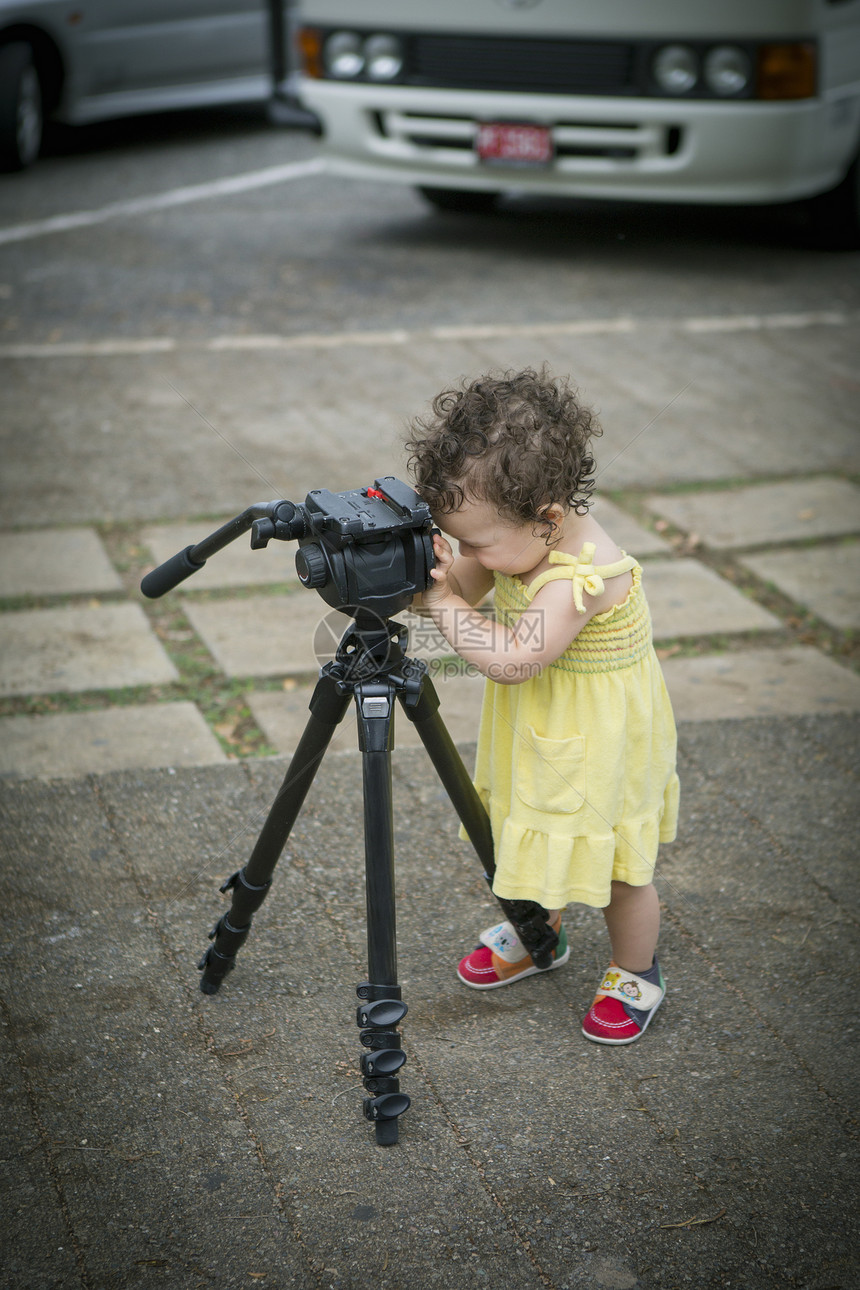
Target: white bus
[(709, 101)]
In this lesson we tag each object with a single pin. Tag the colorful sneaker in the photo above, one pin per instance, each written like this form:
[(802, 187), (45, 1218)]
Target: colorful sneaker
[(624, 1005), (501, 958)]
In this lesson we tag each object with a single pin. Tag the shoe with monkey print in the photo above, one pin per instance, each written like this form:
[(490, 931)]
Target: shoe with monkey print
[(624, 1005)]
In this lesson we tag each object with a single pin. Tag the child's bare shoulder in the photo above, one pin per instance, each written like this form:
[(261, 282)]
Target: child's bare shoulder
[(606, 549)]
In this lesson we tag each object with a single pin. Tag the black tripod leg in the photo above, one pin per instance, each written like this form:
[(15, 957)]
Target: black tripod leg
[(527, 916), (381, 1008), (249, 886)]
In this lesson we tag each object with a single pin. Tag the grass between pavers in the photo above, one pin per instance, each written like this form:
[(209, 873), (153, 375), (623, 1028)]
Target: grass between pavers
[(223, 704), (626, 497), (802, 626), (224, 700)]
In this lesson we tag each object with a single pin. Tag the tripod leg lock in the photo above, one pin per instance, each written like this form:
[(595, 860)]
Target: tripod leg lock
[(386, 1107), (381, 1015), (379, 1066), (247, 898), (230, 932), (380, 1010), (220, 958), (529, 918), (367, 990)]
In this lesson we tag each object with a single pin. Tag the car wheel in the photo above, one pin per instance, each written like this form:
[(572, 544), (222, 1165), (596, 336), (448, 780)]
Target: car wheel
[(836, 215), (459, 199), (20, 107)]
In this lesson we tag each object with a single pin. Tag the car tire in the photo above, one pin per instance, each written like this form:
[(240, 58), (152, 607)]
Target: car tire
[(835, 216), (459, 199), (21, 112)]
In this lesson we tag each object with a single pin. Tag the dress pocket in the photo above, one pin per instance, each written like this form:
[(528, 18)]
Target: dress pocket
[(550, 773)]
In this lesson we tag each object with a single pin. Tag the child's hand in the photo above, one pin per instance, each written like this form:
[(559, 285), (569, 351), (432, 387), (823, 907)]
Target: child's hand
[(439, 588)]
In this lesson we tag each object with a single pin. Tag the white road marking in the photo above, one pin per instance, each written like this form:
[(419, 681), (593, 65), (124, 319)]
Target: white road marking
[(476, 331), (580, 327), (383, 339), (311, 340), (757, 322), (164, 201), (91, 349)]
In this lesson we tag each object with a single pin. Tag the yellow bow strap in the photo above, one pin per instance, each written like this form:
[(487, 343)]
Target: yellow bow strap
[(585, 576)]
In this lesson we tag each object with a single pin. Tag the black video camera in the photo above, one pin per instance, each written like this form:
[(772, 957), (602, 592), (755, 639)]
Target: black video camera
[(364, 549)]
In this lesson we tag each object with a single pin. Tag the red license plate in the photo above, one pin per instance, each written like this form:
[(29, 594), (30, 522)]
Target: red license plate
[(512, 144)]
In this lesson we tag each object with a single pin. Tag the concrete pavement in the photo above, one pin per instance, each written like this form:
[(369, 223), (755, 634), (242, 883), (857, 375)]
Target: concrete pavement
[(749, 579), (159, 1137)]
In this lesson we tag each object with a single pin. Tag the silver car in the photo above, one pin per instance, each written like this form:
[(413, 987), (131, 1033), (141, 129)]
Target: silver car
[(112, 58)]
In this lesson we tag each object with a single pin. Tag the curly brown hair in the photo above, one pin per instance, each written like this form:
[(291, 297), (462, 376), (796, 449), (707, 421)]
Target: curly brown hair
[(517, 440)]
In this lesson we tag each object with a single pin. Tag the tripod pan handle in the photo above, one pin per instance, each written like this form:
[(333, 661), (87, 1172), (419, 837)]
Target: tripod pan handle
[(170, 574)]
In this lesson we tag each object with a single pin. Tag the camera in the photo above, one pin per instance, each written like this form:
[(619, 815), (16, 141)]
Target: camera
[(367, 548), (367, 551)]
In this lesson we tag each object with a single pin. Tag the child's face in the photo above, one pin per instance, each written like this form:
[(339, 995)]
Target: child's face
[(496, 543)]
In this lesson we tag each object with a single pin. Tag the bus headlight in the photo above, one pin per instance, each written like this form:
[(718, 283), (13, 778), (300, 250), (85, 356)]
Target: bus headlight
[(727, 70), (383, 57), (676, 68), (343, 55)]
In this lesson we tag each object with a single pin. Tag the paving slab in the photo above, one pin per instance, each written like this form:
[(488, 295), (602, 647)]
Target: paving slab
[(260, 635), (283, 715), (825, 579), (237, 565), (792, 681), (55, 562), (92, 743), (295, 634), (286, 635), (630, 535), (47, 651), (687, 598), (765, 513)]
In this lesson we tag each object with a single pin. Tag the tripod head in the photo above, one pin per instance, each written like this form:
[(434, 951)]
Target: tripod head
[(367, 551)]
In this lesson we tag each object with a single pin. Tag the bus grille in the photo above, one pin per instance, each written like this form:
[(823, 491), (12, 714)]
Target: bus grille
[(529, 66)]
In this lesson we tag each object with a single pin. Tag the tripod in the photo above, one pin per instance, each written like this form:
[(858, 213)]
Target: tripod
[(370, 666)]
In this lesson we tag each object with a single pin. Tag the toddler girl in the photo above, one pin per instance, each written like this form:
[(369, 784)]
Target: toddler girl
[(576, 747)]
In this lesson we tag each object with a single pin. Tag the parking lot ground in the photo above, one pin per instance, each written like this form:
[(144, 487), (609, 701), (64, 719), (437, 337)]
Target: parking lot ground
[(220, 1140), (163, 366)]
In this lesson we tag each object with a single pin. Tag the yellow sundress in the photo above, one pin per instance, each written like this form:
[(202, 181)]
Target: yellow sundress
[(576, 766)]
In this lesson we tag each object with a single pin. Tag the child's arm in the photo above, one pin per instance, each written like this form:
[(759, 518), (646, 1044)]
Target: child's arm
[(508, 656), (466, 578)]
